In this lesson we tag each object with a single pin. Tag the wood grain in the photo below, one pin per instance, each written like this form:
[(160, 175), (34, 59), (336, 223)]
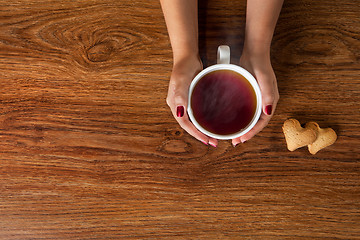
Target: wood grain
[(89, 149)]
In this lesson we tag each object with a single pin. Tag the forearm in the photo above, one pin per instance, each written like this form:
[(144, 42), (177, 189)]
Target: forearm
[(261, 18), (182, 24)]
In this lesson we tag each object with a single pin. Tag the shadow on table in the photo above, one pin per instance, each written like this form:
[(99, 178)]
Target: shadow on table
[(221, 23)]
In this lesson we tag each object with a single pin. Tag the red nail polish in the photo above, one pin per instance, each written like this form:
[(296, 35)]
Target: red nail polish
[(268, 109), (180, 111)]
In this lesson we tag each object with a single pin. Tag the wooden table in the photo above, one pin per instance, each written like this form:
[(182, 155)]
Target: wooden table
[(89, 149)]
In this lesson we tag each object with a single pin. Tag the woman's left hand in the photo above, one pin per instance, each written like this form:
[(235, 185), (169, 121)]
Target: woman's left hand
[(260, 66)]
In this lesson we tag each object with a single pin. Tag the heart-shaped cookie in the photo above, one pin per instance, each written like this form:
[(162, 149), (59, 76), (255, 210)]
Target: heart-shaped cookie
[(325, 137), (297, 136)]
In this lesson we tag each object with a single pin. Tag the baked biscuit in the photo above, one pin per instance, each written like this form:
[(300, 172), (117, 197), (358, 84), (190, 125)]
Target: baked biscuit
[(325, 137), (297, 136)]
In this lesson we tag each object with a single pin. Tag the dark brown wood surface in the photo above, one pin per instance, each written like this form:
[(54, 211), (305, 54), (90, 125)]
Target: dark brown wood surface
[(90, 150)]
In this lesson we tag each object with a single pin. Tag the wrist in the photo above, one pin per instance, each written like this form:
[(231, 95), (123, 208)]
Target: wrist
[(185, 54), (257, 48), (256, 57), (187, 65)]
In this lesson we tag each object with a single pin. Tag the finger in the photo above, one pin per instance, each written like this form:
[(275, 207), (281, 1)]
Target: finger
[(213, 142), (269, 92), (260, 125), (236, 141), (182, 118), (185, 123), (178, 108), (263, 121)]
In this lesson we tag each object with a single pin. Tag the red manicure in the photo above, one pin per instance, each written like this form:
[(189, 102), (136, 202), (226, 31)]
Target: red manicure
[(268, 109), (180, 111)]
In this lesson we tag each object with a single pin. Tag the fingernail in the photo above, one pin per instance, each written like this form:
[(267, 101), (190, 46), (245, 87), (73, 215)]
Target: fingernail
[(180, 111), (268, 109), (212, 145), (235, 144), (243, 140), (204, 142)]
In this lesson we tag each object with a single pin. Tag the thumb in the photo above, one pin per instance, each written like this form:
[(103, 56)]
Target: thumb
[(267, 88)]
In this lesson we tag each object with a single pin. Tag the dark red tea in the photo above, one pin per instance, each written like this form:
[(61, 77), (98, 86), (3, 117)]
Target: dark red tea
[(223, 102)]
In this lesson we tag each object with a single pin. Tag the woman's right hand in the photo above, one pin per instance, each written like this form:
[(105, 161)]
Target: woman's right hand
[(182, 74)]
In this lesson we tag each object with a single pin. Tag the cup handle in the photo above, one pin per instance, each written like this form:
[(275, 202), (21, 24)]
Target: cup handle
[(223, 54)]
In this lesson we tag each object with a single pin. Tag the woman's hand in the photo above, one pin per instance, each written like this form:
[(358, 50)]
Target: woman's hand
[(181, 18), (259, 65), (177, 99), (261, 18), (182, 24)]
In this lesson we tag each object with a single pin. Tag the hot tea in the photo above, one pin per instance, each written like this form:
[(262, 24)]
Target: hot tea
[(223, 102)]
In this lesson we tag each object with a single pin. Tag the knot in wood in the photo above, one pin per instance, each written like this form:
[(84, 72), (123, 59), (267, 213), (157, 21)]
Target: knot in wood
[(175, 146), (101, 52)]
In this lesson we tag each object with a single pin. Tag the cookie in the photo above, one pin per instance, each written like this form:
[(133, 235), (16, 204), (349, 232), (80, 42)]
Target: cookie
[(325, 137), (297, 136)]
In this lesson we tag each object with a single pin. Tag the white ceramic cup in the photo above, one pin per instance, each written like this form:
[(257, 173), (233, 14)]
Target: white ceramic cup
[(223, 63)]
